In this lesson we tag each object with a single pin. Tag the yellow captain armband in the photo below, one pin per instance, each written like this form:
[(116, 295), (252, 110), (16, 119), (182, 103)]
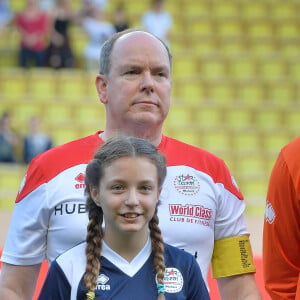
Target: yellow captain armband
[(232, 256)]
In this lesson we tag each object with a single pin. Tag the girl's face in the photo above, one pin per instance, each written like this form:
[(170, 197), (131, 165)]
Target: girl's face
[(128, 193)]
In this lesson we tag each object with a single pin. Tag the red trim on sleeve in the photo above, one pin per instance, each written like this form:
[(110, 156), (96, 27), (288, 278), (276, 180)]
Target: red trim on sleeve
[(52, 162), (179, 153)]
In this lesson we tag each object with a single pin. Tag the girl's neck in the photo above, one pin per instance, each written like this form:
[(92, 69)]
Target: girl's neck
[(127, 247)]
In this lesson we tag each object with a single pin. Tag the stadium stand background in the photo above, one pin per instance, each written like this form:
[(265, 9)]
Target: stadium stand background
[(235, 86)]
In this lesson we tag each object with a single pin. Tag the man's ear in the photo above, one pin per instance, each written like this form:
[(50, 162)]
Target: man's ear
[(101, 86)]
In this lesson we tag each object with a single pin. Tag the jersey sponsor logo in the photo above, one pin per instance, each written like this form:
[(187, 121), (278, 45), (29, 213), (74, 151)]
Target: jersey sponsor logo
[(173, 280), (186, 184), (69, 209), (102, 283), (197, 214), (80, 179), (269, 213)]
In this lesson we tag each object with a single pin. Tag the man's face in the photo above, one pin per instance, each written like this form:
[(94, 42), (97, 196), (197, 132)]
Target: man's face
[(137, 90)]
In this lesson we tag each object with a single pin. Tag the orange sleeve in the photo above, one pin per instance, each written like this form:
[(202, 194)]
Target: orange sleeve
[(281, 235)]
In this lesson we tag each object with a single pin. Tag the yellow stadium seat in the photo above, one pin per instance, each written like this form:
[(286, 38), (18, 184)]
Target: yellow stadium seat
[(179, 115), (225, 9), (268, 118), (10, 179), (190, 90), (271, 68), (196, 9), (275, 140), (216, 141), (74, 85), (281, 94), (212, 67), (249, 167), (90, 115), (43, 83), (208, 117), (292, 119), (246, 141), (294, 69), (201, 26), (239, 117), (254, 9), (58, 113), (185, 66), (243, 67), (259, 27), (221, 91), (13, 83), (281, 10), (23, 110), (229, 27), (250, 92), (66, 133)]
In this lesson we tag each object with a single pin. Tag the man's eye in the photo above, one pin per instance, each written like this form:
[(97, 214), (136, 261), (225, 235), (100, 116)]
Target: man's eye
[(131, 72), (117, 187)]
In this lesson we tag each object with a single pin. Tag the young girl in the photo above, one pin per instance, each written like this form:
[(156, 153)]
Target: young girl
[(127, 260)]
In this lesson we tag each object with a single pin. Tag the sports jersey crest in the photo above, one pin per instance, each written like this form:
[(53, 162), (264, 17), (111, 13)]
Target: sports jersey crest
[(186, 184), (173, 280)]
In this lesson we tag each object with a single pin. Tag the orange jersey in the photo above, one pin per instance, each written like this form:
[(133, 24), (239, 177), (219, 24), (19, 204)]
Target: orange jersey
[(281, 238)]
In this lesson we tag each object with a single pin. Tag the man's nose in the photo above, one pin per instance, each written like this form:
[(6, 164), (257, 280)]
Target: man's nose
[(147, 82)]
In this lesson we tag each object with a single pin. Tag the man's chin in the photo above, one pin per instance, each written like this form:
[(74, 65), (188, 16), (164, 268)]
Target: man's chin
[(147, 118)]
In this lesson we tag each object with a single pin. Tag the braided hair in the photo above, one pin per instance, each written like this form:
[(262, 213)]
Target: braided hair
[(113, 149)]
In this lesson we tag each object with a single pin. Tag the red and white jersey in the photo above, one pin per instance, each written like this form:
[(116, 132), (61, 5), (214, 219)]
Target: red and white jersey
[(200, 203)]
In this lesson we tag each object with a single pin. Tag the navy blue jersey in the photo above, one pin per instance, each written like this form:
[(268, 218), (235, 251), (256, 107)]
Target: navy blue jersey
[(121, 280)]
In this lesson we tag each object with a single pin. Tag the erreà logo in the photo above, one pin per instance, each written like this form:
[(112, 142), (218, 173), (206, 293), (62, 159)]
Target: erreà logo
[(102, 283), (80, 179), (186, 184)]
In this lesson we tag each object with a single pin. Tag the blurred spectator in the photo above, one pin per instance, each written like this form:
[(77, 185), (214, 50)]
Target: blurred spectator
[(5, 13), (120, 21), (46, 5), (87, 7), (33, 26), (35, 142), (100, 4), (98, 29), (157, 20), (59, 53), (9, 140)]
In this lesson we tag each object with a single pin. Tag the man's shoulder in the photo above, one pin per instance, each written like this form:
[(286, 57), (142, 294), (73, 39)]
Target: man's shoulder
[(49, 164), (180, 148), (82, 147)]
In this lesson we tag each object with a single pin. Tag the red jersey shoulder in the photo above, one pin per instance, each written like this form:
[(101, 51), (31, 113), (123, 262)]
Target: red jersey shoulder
[(180, 153), (49, 164)]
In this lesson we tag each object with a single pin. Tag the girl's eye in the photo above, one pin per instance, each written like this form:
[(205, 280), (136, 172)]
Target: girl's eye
[(146, 188)]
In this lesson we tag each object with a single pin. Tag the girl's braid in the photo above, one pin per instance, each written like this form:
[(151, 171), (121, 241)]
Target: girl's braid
[(93, 248), (158, 254)]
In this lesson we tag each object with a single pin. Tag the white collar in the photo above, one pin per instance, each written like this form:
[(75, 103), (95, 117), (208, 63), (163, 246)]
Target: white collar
[(129, 268)]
